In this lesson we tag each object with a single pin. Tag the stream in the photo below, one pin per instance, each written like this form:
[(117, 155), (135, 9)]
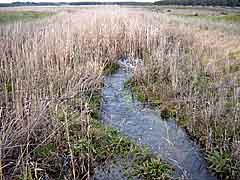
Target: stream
[(145, 127)]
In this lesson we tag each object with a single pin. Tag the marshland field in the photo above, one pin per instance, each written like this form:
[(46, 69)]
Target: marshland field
[(120, 92)]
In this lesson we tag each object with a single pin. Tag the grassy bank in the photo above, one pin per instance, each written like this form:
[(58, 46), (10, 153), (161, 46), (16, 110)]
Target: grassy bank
[(77, 155), (193, 89)]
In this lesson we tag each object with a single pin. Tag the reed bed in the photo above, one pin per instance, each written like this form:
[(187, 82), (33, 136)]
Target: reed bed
[(192, 75), (50, 70)]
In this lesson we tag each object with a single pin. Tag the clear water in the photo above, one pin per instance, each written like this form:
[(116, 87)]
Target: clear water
[(145, 126)]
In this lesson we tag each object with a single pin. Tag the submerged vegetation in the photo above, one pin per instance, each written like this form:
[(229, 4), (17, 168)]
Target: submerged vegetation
[(51, 76)]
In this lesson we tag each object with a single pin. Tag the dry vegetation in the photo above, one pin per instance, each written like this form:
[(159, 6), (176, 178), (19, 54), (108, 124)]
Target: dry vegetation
[(193, 75), (50, 70)]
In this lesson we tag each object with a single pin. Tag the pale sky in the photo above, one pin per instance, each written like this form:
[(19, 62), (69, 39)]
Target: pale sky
[(9, 1)]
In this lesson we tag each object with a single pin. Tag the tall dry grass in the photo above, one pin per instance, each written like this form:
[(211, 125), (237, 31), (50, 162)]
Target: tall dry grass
[(50, 68), (194, 74)]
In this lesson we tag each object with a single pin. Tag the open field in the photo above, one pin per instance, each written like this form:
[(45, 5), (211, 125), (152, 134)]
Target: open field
[(51, 78), (13, 16), (220, 18), (214, 14)]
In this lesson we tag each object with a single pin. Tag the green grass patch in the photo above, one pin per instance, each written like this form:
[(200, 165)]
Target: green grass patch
[(106, 143), (232, 18), (6, 87), (223, 165), (10, 17), (136, 89), (234, 58), (167, 111)]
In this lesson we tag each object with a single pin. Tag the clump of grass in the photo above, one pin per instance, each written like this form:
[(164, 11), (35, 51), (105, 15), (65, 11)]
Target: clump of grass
[(94, 104), (223, 164), (136, 89), (148, 167), (141, 94), (235, 55), (167, 113), (147, 96), (6, 88), (110, 68)]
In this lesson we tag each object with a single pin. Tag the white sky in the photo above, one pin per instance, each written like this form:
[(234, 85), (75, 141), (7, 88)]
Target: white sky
[(9, 1)]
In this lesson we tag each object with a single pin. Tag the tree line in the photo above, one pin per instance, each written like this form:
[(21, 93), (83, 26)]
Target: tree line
[(232, 3), (130, 3)]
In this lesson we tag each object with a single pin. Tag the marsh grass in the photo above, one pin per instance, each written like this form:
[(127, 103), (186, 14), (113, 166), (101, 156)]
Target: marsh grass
[(51, 76), (204, 97)]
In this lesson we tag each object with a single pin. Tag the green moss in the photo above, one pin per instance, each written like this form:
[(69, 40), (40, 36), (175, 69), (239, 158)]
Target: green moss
[(9, 17)]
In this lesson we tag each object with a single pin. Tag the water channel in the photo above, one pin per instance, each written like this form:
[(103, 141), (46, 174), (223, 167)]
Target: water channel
[(145, 126)]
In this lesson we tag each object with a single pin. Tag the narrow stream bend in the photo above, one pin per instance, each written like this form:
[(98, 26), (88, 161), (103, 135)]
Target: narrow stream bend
[(145, 126)]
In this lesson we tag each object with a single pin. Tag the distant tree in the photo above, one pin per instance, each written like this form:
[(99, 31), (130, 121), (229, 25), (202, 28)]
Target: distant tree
[(232, 3)]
